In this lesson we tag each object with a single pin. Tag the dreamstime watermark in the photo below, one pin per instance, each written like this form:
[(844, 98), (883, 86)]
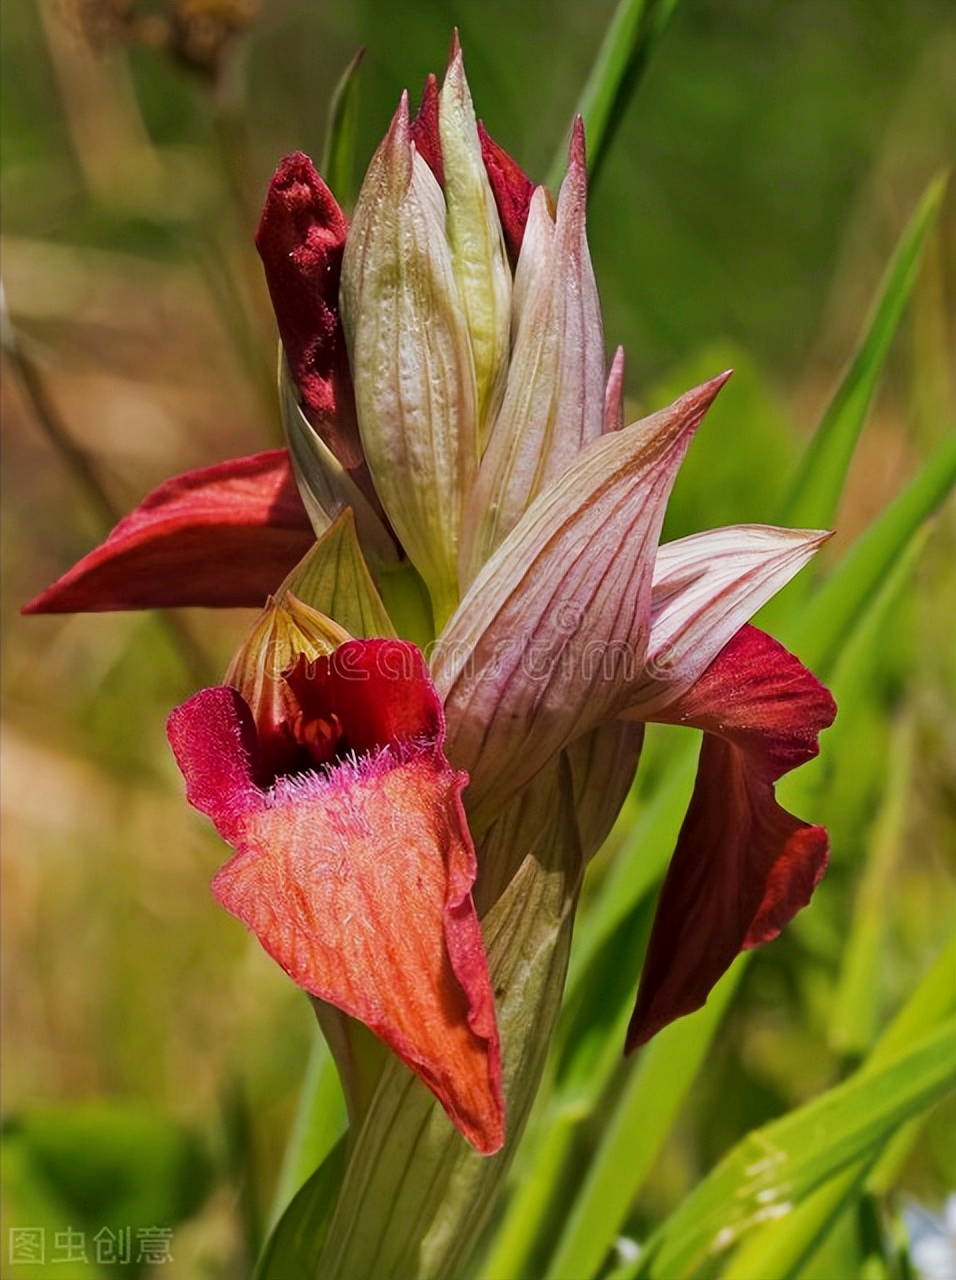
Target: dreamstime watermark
[(554, 651), (109, 1246)]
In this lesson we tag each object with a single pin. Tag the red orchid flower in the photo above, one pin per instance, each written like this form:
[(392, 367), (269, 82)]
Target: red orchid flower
[(356, 871), (444, 378)]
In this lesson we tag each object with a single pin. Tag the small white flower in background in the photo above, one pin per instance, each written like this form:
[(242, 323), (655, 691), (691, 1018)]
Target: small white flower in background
[(932, 1238)]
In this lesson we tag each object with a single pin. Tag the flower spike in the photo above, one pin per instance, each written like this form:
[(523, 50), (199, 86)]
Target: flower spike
[(554, 403), (512, 189), (411, 358), (424, 130)]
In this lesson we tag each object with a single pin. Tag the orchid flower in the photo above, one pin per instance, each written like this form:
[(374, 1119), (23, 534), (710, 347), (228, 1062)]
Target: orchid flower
[(456, 437)]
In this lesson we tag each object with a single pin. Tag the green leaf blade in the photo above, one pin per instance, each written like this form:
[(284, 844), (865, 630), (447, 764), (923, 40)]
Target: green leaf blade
[(778, 1166), (634, 33), (819, 482)]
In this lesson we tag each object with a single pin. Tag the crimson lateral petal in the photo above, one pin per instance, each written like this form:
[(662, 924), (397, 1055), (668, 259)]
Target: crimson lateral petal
[(224, 537), (301, 239), (511, 187), (357, 880), (743, 866), (424, 130)]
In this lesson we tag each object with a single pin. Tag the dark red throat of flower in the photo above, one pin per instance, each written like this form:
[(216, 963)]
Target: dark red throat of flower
[(365, 697)]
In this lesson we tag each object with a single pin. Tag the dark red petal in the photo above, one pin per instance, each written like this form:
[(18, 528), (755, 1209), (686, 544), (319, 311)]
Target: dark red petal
[(301, 239), (379, 691), (743, 866), (224, 537), (425, 132), (512, 189), (358, 882)]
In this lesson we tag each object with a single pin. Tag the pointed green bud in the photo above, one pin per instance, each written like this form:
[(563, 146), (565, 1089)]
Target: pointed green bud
[(284, 631), (474, 232), (333, 577), (411, 359)]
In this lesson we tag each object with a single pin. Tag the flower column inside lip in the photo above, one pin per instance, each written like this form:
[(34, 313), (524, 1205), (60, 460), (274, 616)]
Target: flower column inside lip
[(356, 874)]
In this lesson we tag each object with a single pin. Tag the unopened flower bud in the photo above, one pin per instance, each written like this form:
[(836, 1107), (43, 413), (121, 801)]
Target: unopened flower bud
[(411, 359), (474, 233)]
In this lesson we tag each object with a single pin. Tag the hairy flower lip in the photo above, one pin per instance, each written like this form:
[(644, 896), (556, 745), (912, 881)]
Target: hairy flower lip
[(357, 877)]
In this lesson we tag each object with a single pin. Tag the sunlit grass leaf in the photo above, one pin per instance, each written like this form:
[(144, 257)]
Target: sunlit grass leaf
[(634, 33), (338, 154), (820, 628), (781, 1248), (778, 1166), (648, 1106), (819, 481), (293, 1246), (855, 1009)]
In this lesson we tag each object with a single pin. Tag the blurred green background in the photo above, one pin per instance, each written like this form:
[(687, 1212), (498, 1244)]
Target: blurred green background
[(751, 197)]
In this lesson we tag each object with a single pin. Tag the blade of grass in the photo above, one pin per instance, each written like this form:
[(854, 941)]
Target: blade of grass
[(781, 1248), (649, 1105), (855, 1007), (634, 33), (933, 999), (820, 478), (818, 631), (292, 1247), (514, 1241), (782, 1163), (338, 153)]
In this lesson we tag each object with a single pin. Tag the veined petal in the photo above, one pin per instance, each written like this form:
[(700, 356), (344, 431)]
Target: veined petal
[(223, 537), (554, 402), (357, 878), (301, 239), (554, 626), (411, 359), (512, 190), (705, 588), (743, 866), (474, 234)]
